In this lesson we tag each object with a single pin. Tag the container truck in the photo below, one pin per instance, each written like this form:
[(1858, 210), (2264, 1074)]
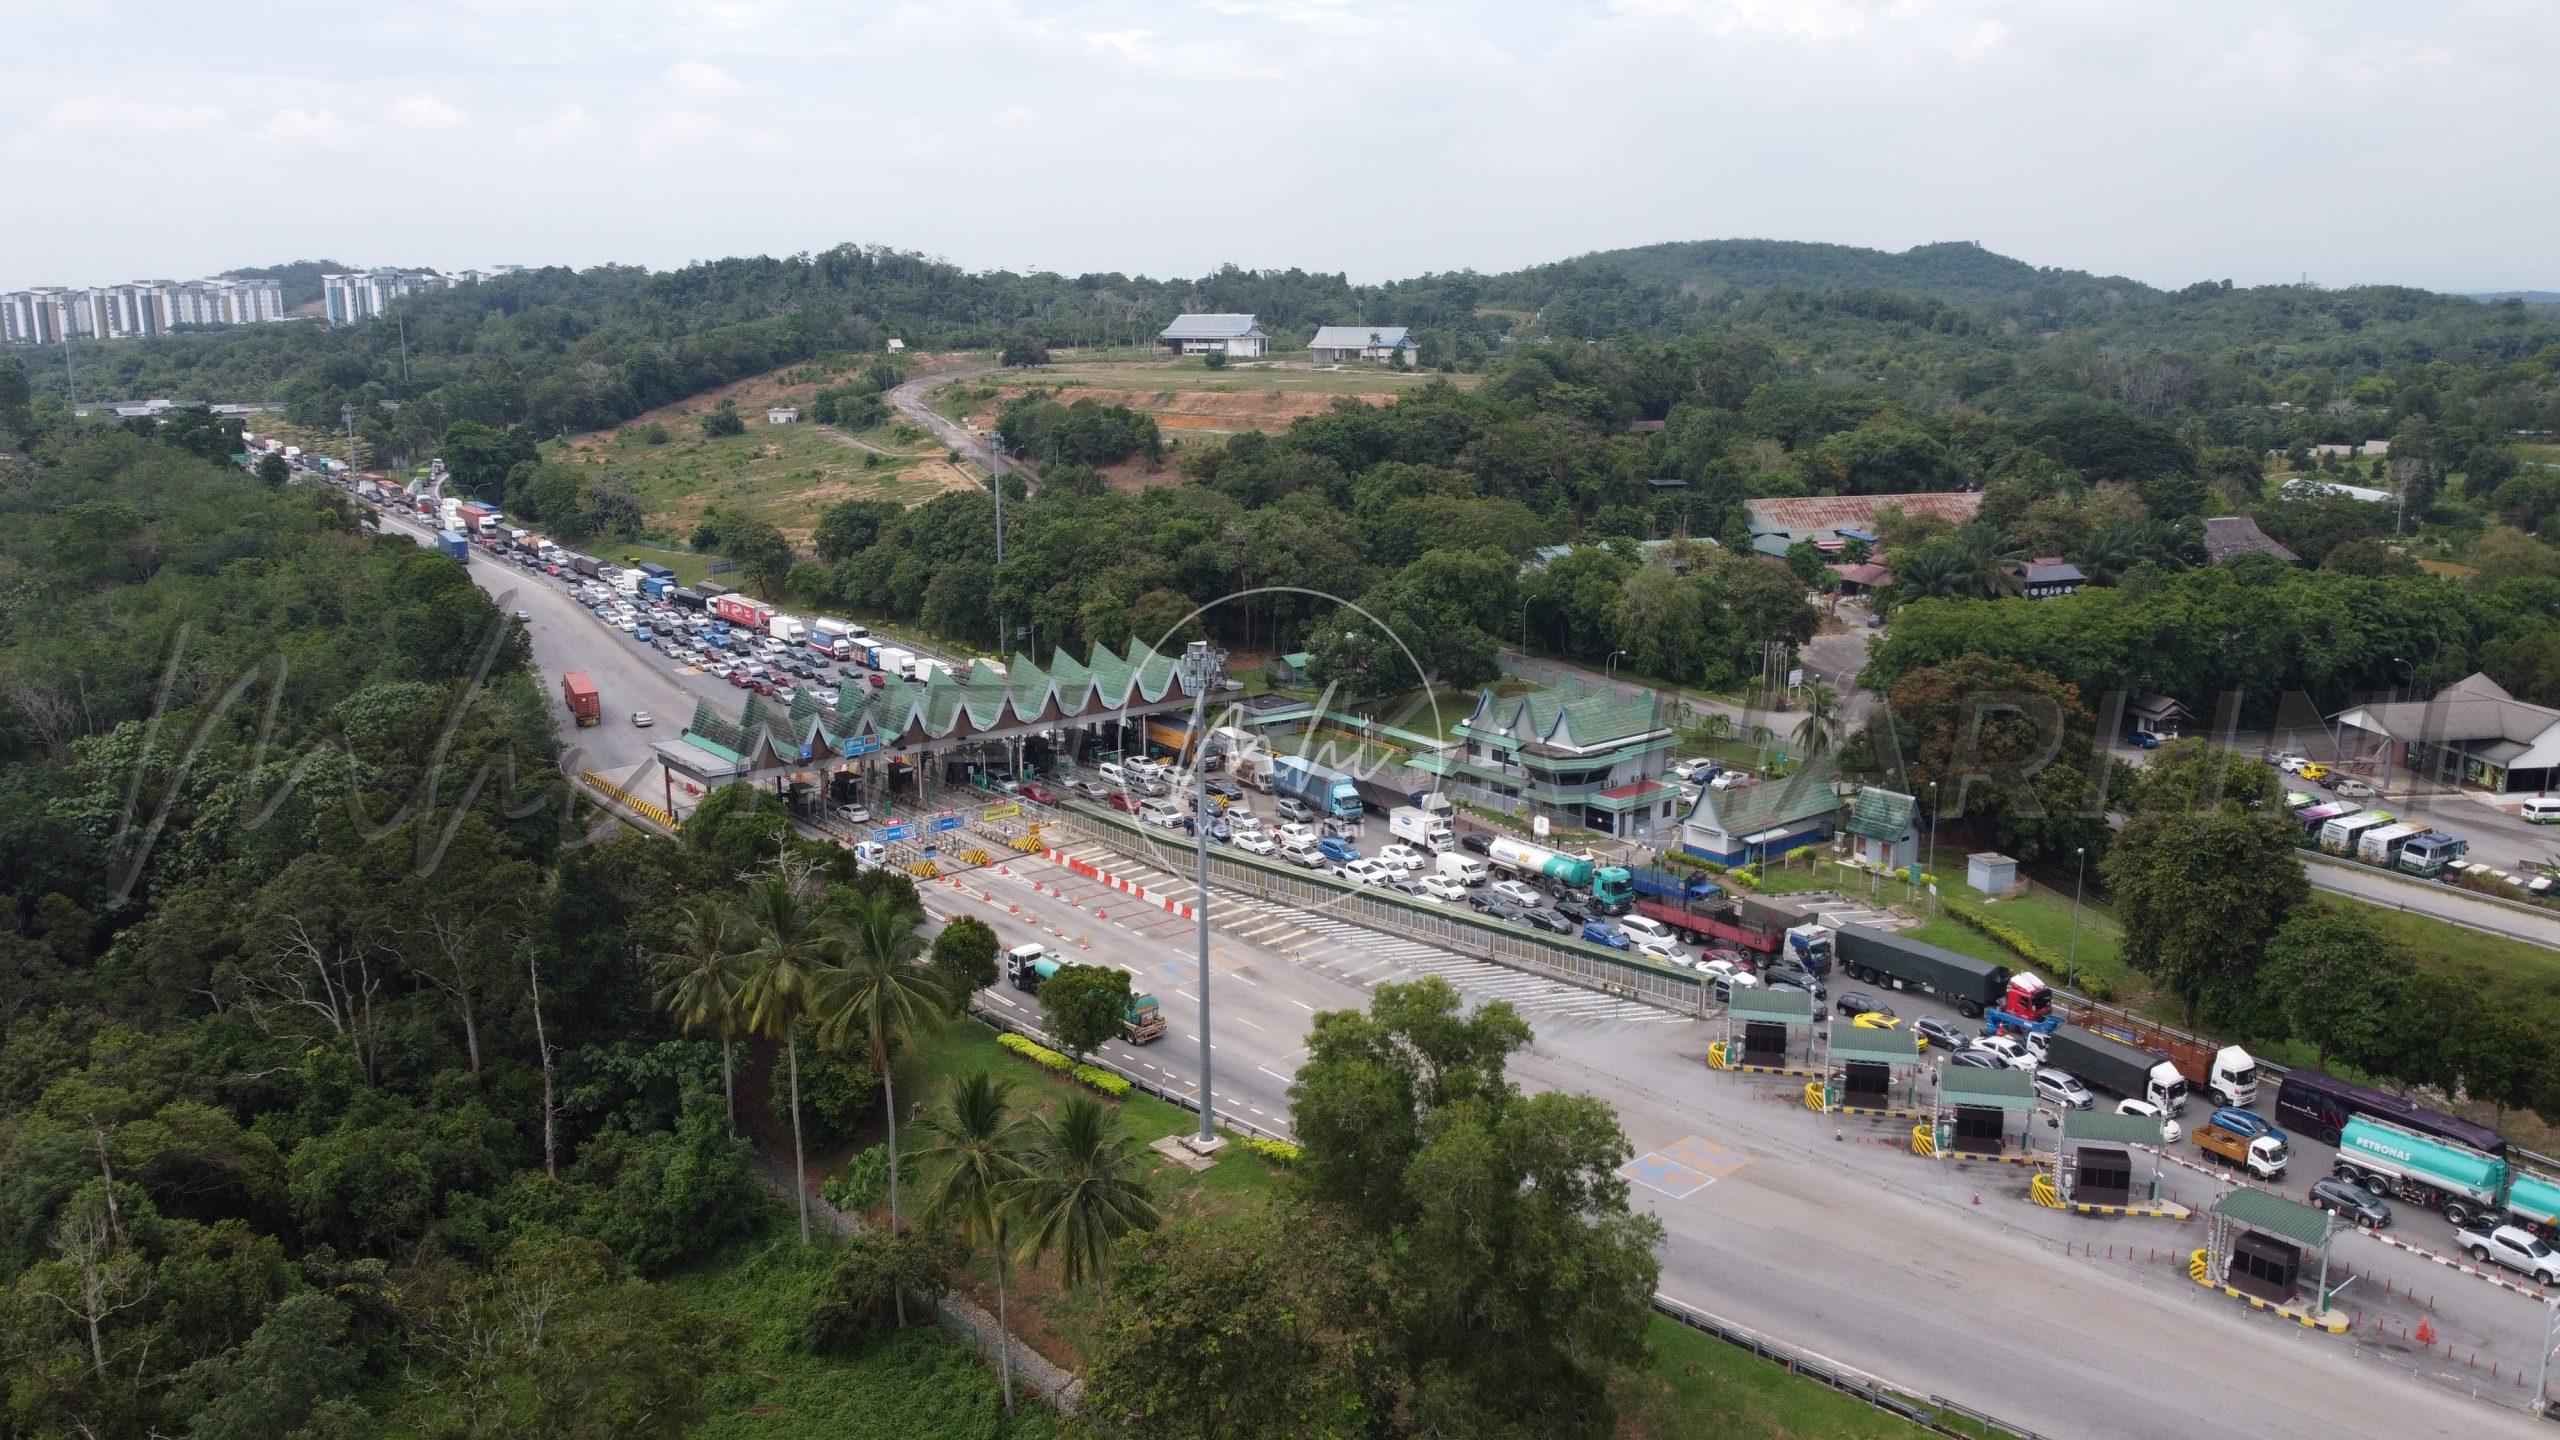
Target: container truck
[(1026, 967), (740, 611), (646, 567), (835, 637), (586, 565), (891, 660), (1389, 788), (1423, 829), (453, 545), (2113, 1065), (686, 597), (2458, 1182), (1554, 870), (1327, 792), (580, 694), (1879, 957)]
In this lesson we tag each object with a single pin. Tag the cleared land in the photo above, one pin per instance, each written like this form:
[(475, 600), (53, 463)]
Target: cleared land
[(1191, 402)]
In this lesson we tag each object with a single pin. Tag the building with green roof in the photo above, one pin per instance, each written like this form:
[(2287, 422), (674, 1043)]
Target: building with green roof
[(1882, 828), (1745, 824), (1588, 756)]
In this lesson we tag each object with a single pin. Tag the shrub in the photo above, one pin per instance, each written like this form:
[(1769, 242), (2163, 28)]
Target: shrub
[(837, 1093), (1035, 1052), (2000, 933), (1104, 1081), (864, 1179), (1278, 1152), (856, 1302)]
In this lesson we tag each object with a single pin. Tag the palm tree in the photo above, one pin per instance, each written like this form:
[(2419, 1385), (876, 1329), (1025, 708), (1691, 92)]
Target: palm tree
[(877, 993), (699, 977), (793, 945), (1084, 1191), (973, 1151), (1821, 710)]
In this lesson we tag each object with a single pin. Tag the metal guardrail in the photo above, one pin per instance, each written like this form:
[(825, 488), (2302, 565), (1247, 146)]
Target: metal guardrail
[(997, 1019), (1572, 961), (1930, 1414)]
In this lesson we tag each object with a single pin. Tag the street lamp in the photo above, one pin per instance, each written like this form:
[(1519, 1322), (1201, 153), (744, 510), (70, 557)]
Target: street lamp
[(2079, 869), (1207, 1140), (1611, 667), (1931, 863)]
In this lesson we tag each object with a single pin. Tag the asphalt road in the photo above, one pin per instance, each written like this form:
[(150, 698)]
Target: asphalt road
[(1823, 1233)]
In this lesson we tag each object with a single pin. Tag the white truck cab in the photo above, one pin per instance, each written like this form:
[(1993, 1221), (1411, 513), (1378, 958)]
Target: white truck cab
[(2235, 1078)]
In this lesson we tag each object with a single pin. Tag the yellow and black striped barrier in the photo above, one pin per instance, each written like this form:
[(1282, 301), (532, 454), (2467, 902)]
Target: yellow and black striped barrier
[(1924, 1140), (2200, 1270), (649, 808), (2041, 1191)]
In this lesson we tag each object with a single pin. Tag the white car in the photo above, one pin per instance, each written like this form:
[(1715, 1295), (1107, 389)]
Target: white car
[(1364, 872), (2011, 1051), (1443, 888), (853, 815), (1656, 946), (1298, 834), (1524, 896), (1643, 928), (1254, 842), (1402, 857), (2170, 1129), (1242, 823), (2289, 762)]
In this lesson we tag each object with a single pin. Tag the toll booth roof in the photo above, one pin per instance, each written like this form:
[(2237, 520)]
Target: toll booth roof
[(1792, 1006), (1893, 1047), (2275, 1215), (1989, 1090), (2103, 1127)]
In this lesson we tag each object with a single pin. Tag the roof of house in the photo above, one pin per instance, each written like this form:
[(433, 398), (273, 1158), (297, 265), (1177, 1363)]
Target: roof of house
[(1830, 512), (2276, 1215), (2476, 713), (1347, 337), (1869, 574), (2228, 537), (1211, 327), (1880, 814), (1746, 810), (2054, 572), (1569, 717)]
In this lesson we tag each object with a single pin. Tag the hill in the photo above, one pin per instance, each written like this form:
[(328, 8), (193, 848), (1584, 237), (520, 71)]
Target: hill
[(1958, 271), (300, 278)]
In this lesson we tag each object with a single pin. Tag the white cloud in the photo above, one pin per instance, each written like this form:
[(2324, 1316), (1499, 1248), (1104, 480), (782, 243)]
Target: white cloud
[(127, 116), (699, 80), (426, 112), (298, 126)]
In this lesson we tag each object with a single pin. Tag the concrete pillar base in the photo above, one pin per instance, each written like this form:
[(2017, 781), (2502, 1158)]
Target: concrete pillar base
[(1210, 1146)]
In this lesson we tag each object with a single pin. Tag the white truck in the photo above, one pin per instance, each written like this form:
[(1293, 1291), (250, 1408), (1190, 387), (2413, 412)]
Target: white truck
[(1462, 867), (789, 629), (2513, 1246), (1423, 829), (893, 661)]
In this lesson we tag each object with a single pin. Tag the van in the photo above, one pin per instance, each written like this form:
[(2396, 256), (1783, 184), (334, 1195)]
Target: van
[(1112, 775), (1464, 868), (1645, 927), (1164, 813), (2541, 812)]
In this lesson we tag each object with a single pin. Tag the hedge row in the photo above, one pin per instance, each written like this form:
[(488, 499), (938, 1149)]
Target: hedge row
[(1048, 1059), (1278, 1152), (2001, 933), (1104, 1081)]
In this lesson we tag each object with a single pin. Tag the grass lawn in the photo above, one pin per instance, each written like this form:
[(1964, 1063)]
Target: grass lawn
[(691, 567), (2043, 916), (1699, 1385), (782, 473)]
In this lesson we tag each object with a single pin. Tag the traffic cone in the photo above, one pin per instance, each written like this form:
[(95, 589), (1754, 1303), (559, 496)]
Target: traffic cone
[(2426, 1333)]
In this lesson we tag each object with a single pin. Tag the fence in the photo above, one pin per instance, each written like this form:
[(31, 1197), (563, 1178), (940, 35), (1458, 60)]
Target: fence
[(1932, 1414), (1573, 962)]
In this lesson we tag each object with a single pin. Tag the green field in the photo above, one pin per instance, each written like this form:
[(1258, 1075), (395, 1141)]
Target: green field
[(786, 474)]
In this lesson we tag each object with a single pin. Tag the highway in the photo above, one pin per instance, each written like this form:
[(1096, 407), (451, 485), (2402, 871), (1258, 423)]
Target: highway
[(1826, 1234)]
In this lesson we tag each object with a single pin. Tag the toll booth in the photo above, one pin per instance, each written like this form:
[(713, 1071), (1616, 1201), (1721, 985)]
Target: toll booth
[(1972, 1117), (2258, 1249), (2106, 1164), (1871, 1072), (1767, 1032)]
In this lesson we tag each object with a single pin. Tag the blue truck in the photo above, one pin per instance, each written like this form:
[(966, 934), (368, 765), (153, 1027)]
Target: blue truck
[(1680, 887), (1327, 792), (453, 545), (656, 586), (654, 571)]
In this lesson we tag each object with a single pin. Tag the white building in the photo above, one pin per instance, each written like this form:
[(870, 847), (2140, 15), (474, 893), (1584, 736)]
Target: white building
[(46, 315), (1235, 336), (363, 294), (1376, 344), (39, 315), (782, 415)]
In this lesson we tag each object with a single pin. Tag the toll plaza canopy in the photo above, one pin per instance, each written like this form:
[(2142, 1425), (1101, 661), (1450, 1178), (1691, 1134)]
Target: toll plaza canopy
[(1892, 1047), (2274, 1215), (1787, 1006), (1965, 1087), (2100, 1127)]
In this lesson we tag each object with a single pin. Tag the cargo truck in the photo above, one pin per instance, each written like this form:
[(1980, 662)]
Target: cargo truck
[(646, 567), (453, 546), (655, 586), (740, 611), (1720, 921), (789, 629), (2263, 1157), (2115, 1066), (1680, 887), (1423, 829), (2456, 1181), (586, 565), (1879, 957), (1554, 870), (1327, 792), (835, 637), (1027, 966), (891, 660), (580, 694), (1390, 788)]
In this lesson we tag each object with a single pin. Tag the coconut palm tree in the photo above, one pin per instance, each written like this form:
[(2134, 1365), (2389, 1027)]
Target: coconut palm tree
[(699, 976), (875, 992), (973, 1150), (1821, 713), (793, 943), (1084, 1191)]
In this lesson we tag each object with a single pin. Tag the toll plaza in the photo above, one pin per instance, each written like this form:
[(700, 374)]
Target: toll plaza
[(1767, 1032), (2094, 1167), (1975, 1114), (2257, 1249), (1870, 1072)]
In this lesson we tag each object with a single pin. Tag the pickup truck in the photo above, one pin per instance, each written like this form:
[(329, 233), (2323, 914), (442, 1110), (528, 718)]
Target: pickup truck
[(2263, 1157), (2512, 1246)]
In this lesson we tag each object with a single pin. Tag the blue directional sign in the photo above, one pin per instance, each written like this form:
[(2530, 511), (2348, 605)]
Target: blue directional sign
[(944, 821), (860, 745), (889, 834)]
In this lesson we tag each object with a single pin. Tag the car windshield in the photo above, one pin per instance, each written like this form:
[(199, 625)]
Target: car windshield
[(2535, 1248)]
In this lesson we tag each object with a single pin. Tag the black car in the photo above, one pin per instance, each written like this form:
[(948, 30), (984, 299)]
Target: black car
[(1821, 1012), (1548, 920), (1940, 1034), (1226, 790), (1575, 909), (1481, 845), (2349, 1201), (1977, 1060), (1406, 887), (1494, 907), (1857, 1003)]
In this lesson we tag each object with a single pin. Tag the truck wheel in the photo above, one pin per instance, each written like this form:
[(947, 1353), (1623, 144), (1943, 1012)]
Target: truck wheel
[(2375, 1184), (1969, 1010), (2460, 1215)]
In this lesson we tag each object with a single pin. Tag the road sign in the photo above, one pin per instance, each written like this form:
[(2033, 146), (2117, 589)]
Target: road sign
[(1001, 812), (944, 821), (892, 834), (860, 745), (1538, 824)]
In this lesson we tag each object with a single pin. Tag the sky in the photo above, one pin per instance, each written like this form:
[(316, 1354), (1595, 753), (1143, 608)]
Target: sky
[(2260, 141)]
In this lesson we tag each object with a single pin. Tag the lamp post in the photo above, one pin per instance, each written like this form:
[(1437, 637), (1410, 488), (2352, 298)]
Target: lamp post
[(1524, 625), (2079, 869), (1611, 667), (1931, 863), (2410, 670), (1207, 1140)]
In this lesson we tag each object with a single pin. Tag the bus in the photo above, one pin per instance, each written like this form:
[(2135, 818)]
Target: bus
[(2321, 1105)]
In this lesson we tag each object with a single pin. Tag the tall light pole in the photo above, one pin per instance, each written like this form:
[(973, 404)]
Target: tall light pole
[(1611, 667), (1207, 1139), (2079, 868), (347, 413), (1931, 863), (995, 450)]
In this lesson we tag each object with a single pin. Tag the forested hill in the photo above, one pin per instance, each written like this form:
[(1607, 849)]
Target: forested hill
[(1958, 271)]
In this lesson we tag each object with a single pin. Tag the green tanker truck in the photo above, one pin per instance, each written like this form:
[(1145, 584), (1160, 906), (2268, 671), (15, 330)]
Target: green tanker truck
[(2461, 1183)]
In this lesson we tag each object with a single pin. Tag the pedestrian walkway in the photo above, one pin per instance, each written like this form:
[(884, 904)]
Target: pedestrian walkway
[(1368, 958)]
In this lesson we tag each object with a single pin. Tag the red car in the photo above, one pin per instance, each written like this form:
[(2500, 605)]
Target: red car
[(760, 685), (740, 678), (1120, 801), (1038, 794)]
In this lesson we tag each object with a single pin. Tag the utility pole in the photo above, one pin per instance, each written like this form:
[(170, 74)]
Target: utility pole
[(401, 319), (1207, 1140), (347, 413), (2079, 869), (995, 449)]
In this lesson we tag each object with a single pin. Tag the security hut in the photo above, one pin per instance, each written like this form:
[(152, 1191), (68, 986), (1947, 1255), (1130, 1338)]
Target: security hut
[(2258, 1248), (2094, 1160), (1971, 1120), (1775, 1034), (1873, 1072), (1988, 872)]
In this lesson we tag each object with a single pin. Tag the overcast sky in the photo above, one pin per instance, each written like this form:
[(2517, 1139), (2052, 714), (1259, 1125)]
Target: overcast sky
[(2169, 140)]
